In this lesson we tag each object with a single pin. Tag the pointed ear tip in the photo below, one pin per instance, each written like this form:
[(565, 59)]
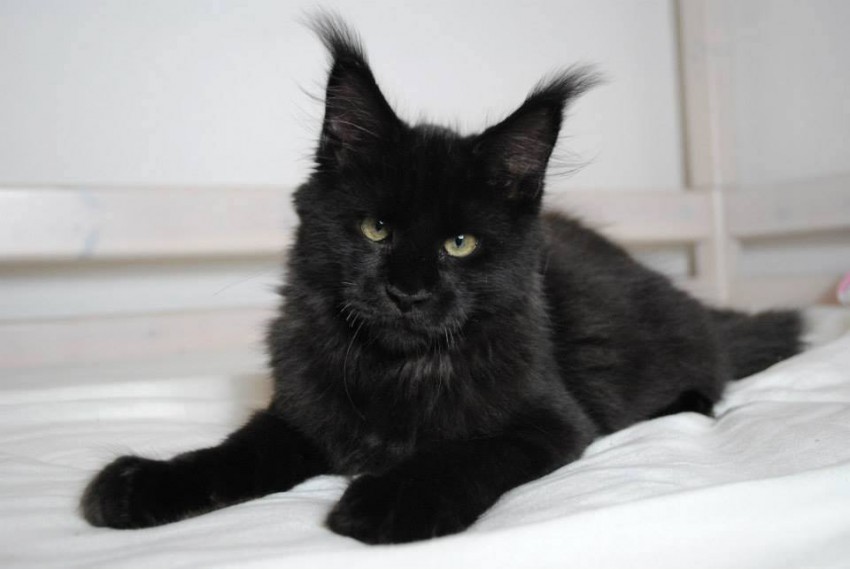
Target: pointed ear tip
[(563, 86), (341, 41)]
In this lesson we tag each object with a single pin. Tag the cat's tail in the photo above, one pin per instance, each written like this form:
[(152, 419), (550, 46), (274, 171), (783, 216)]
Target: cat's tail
[(757, 341)]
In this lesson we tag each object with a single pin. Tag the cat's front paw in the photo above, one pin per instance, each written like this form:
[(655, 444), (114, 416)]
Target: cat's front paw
[(395, 508), (130, 492)]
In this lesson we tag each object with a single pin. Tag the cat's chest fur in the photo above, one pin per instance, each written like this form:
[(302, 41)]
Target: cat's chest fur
[(369, 411)]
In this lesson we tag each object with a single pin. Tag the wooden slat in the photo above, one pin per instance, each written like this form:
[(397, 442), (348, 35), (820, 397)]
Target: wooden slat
[(802, 207), (51, 291), (248, 366), (706, 69), (66, 224), (640, 216), (110, 224), (84, 340), (50, 224), (757, 293), (709, 127)]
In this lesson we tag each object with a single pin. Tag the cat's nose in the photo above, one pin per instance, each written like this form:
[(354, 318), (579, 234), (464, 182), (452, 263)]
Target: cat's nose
[(406, 300)]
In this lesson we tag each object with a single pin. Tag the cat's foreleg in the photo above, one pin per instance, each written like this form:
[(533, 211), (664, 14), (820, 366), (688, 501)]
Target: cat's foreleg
[(446, 486), (266, 455)]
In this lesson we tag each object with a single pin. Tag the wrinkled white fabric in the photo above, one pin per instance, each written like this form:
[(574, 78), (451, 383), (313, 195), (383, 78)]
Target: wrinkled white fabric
[(765, 485)]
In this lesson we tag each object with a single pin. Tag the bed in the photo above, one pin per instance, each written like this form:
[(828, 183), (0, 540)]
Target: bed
[(765, 484), (131, 321)]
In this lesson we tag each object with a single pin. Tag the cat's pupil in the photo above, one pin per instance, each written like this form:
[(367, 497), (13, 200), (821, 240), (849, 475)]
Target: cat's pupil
[(379, 225), (459, 241)]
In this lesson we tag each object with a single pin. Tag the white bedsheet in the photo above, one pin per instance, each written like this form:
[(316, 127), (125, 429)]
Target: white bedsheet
[(765, 485)]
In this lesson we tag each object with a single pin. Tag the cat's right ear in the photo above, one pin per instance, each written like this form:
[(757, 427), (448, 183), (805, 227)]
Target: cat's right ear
[(515, 153), (358, 120)]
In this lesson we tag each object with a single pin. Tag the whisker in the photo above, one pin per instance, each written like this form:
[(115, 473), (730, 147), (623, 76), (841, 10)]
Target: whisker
[(439, 372), (345, 373), (264, 272)]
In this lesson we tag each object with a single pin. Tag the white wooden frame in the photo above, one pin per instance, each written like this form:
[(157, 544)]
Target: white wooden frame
[(711, 214), (49, 225)]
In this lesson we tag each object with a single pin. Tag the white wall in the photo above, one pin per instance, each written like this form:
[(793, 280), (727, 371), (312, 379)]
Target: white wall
[(191, 92), (203, 92), (790, 88)]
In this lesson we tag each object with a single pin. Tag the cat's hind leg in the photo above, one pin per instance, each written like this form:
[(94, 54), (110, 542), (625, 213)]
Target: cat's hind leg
[(266, 455)]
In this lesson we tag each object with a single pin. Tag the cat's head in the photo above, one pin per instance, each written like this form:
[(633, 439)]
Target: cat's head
[(413, 231)]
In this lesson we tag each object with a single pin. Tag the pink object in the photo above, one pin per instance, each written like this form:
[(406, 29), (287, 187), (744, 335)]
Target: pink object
[(843, 291)]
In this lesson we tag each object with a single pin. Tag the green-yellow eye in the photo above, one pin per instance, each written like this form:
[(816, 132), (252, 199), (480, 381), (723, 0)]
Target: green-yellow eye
[(460, 245), (374, 229)]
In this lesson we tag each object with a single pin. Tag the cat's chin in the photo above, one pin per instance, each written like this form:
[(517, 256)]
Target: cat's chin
[(403, 341), (401, 336)]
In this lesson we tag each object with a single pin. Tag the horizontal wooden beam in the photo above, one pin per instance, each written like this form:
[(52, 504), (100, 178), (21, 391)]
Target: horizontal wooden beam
[(640, 216), (66, 224), (69, 224), (145, 337), (51, 291), (189, 373), (808, 206), (127, 337), (794, 291)]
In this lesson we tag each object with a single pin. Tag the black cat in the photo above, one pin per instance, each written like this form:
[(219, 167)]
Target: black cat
[(440, 338)]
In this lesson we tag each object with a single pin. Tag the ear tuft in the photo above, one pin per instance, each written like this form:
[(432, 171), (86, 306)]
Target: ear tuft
[(343, 43), (515, 152), (562, 87)]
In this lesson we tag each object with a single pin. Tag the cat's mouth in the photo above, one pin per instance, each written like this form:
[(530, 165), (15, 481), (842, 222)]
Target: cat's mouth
[(403, 331)]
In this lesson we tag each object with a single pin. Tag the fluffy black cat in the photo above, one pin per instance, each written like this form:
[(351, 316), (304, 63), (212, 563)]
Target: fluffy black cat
[(440, 338)]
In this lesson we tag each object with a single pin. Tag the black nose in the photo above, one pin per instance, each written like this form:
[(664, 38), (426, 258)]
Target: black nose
[(406, 300)]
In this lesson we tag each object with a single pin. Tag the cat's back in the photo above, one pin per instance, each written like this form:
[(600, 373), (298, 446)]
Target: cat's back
[(574, 250), (616, 325), (589, 278)]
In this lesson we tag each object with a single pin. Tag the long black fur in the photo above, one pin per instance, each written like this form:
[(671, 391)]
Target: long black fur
[(445, 381)]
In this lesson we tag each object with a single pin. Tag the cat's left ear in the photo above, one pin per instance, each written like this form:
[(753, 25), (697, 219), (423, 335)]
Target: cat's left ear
[(358, 120), (514, 154)]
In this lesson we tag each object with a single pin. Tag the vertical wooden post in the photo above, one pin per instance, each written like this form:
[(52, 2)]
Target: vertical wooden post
[(706, 83)]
